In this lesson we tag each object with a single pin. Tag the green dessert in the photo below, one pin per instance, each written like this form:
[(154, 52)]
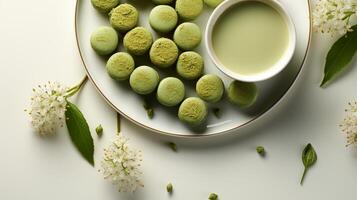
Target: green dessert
[(163, 53), (210, 88), (104, 6), (138, 41), (190, 65), (193, 111), (242, 93), (144, 80), (162, 1), (104, 40), (120, 66), (187, 36), (163, 18), (189, 9), (170, 91), (124, 17), (213, 3)]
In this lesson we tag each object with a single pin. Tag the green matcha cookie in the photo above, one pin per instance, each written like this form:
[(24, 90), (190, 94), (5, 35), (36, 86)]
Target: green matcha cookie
[(213, 3), (163, 53), (193, 111), (124, 17), (170, 91), (163, 18), (187, 36), (189, 9), (190, 65), (138, 41), (104, 6), (242, 93), (104, 40), (120, 66), (144, 80), (162, 1), (210, 88)]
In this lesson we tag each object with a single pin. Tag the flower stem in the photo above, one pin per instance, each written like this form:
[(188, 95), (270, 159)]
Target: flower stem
[(303, 176), (72, 91)]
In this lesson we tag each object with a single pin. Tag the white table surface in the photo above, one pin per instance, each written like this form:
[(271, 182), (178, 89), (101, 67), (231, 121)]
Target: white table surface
[(37, 44)]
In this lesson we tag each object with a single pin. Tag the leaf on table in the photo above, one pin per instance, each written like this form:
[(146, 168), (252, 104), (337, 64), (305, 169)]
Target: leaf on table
[(79, 132), (309, 158), (340, 54)]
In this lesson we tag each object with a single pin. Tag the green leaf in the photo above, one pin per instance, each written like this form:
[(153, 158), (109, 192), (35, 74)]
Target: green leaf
[(340, 54), (309, 158), (79, 132)]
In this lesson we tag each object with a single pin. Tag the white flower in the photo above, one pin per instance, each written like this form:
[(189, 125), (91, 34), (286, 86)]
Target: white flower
[(333, 16), (48, 105), (121, 165), (349, 124)]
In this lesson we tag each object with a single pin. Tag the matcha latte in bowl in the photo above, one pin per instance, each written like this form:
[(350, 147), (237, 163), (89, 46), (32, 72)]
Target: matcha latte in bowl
[(250, 40)]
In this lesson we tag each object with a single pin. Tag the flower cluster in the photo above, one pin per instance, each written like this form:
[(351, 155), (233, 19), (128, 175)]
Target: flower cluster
[(349, 124), (334, 16), (47, 108), (121, 165)]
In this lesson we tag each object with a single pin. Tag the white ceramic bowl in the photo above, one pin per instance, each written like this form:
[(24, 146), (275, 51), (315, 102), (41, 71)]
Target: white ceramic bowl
[(273, 70)]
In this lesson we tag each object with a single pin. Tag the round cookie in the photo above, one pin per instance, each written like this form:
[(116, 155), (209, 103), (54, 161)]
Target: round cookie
[(163, 18), (190, 65), (187, 36), (189, 9), (138, 41), (124, 17), (163, 53), (104, 6), (162, 1), (193, 111), (213, 3), (242, 93), (120, 66), (104, 40), (144, 80), (170, 91), (210, 88)]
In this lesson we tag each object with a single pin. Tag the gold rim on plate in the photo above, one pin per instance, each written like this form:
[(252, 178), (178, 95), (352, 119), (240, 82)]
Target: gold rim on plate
[(200, 135)]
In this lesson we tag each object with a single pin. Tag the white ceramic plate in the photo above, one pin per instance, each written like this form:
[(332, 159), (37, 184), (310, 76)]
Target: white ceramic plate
[(130, 105)]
